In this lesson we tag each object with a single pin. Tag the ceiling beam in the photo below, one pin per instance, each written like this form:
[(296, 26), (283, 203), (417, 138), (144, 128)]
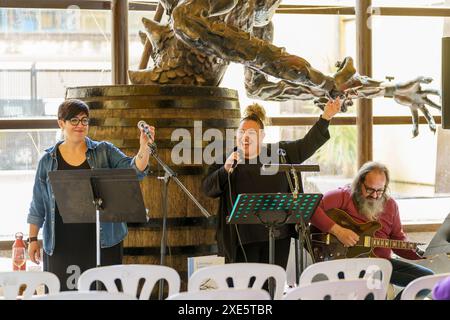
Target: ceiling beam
[(377, 11), (345, 121), (283, 9), (82, 4)]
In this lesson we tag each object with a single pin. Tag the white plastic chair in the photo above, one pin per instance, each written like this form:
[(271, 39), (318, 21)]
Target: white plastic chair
[(11, 282), (225, 294), (377, 270), (85, 295), (355, 289), (241, 274), (424, 284), (130, 276)]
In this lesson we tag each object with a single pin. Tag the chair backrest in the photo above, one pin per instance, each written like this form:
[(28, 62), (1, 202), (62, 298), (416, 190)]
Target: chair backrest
[(130, 277), (222, 294), (355, 289), (376, 270), (11, 283), (422, 286), (241, 275), (86, 295)]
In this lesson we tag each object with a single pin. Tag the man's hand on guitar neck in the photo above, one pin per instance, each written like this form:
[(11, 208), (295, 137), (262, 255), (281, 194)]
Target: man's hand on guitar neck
[(344, 235)]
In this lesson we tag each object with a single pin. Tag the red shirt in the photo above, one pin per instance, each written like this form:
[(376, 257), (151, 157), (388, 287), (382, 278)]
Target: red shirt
[(391, 227)]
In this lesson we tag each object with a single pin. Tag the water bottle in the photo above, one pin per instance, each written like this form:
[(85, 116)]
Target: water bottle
[(19, 253)]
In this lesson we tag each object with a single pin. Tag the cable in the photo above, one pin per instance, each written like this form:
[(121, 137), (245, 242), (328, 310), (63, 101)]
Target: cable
[(236, 226), (302, 230)]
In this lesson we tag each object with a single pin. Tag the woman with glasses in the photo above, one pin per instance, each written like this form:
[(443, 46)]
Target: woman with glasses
[(70, 249), (240, 172)]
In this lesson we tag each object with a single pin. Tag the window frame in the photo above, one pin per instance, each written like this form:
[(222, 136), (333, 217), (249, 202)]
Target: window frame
[(50, 123)]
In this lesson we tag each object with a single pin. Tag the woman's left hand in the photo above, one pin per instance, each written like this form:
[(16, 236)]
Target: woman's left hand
[(331, 109), (143, 139)]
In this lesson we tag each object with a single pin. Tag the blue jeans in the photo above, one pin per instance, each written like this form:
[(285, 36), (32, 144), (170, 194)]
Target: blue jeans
[(404, 272)]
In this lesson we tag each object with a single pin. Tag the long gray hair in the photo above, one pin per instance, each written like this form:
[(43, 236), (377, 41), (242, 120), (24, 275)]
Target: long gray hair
[(362, 173), (370, 209)]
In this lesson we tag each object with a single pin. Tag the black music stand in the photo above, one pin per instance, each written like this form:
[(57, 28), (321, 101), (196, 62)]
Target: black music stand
[(273, 210), (296, 188), (98, 195)]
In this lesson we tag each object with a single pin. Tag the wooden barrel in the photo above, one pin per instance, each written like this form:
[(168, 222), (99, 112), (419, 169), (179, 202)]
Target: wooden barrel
[(115, 112)]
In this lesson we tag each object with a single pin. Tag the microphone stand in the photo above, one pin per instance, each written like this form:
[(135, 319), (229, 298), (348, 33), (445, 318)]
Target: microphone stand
[(303, 233), (169, 174)]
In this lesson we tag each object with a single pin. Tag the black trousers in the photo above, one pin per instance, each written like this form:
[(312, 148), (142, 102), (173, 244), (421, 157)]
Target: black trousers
[(404, 272), (68, 263)]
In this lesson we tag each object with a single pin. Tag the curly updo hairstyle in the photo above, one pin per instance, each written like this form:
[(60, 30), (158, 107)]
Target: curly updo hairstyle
[(256, 113)]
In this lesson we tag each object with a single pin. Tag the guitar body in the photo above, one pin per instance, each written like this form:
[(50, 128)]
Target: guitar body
[(327, 247)]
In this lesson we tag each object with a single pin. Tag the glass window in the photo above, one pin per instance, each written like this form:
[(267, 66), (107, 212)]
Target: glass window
[(321, 54), (392, 3), (403, 48), (135, 25), (57, 49), (336, 158), (319, 2), (412, 161), (19, 155), (42, 52), (409, 3), (418, 169)]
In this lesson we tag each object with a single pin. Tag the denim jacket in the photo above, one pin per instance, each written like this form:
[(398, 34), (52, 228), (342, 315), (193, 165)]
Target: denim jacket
[(99, 154)]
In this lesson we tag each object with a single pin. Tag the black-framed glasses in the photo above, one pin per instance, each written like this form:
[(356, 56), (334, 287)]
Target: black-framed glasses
[(75, 121), (371, 191)]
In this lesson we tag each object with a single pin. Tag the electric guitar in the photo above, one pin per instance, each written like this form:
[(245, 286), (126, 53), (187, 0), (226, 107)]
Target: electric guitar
[(326, 246)]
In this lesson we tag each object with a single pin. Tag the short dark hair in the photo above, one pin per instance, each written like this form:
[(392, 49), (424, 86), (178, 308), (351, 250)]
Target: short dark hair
[(71, 108)]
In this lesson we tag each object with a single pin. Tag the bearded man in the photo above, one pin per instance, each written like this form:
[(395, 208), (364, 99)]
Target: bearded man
[(367, 199)]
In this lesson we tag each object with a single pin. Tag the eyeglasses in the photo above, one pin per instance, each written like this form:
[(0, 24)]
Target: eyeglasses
[(371, 191), (75, 121), (252, 133)]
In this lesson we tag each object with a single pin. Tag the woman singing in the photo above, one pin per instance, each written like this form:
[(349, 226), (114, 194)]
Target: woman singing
[(249, 242), (70, 249)]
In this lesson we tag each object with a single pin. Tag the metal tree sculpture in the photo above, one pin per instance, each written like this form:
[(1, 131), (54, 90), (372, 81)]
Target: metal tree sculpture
[(203, 36)]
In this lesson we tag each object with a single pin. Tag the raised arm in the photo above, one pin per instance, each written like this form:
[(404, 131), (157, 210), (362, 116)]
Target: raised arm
[(300, 150)]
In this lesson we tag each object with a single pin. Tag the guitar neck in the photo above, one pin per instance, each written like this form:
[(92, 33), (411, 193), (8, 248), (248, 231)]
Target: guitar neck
[(393, 244)]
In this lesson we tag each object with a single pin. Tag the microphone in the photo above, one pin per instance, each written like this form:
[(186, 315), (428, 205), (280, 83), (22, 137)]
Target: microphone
[(144, 126), (235, 162), (282, 152)]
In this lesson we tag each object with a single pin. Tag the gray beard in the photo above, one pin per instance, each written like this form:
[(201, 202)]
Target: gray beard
[(370, 208)]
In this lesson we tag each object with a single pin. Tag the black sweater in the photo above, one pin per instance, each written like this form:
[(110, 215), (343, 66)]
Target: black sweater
[(246, 179)]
